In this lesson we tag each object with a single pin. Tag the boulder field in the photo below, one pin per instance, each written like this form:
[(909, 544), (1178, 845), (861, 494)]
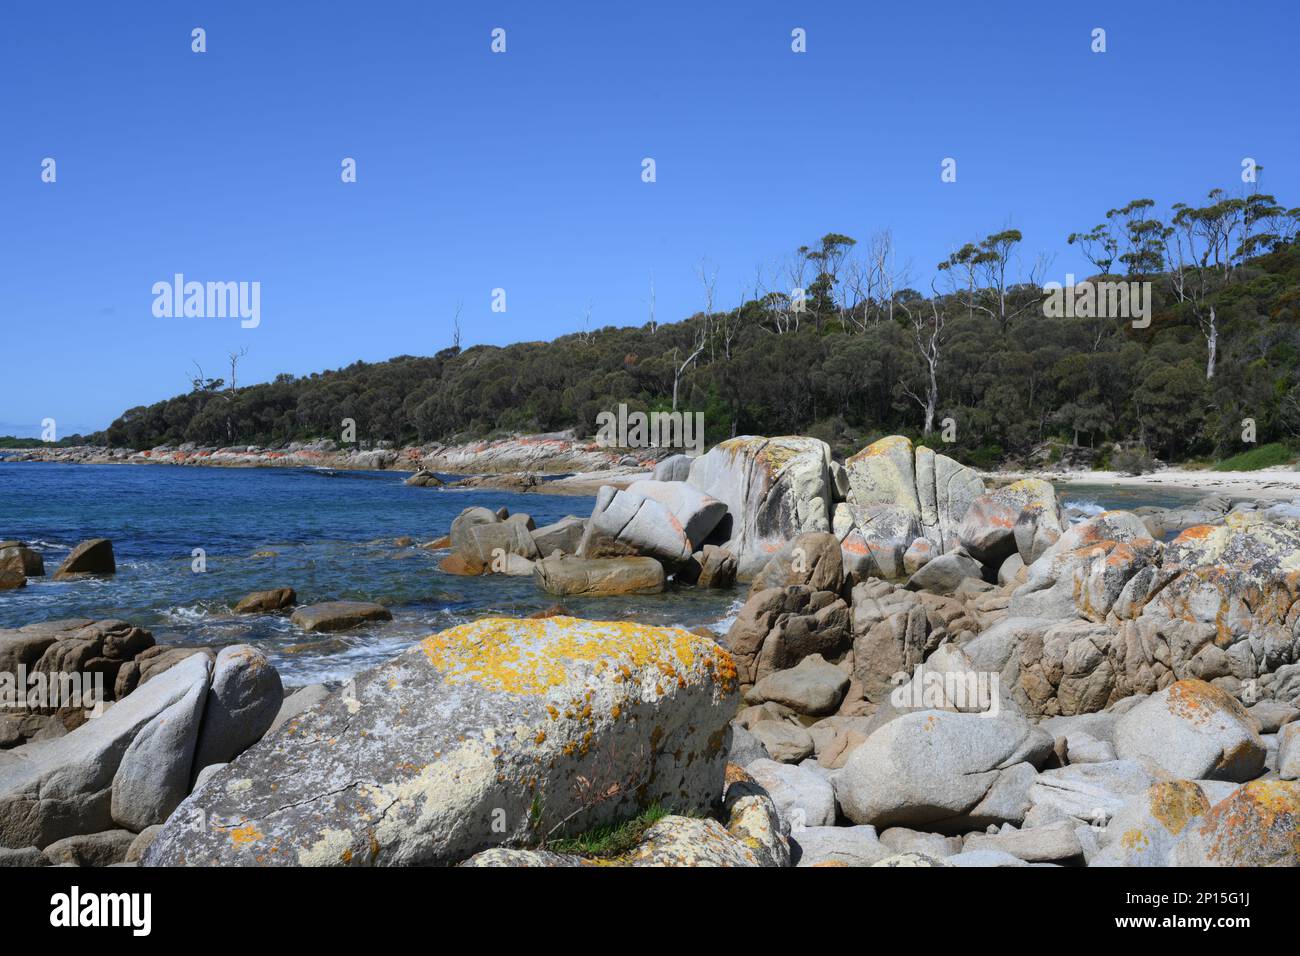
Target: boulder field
[(923, 672)]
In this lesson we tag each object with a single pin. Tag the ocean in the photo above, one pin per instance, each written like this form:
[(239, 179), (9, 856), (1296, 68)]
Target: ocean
[(330, 535)]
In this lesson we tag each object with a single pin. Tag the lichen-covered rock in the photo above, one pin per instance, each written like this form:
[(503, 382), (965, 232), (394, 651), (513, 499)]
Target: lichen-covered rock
[(774, 489), (1085, 572), (487, 734), (1257, 825), (1149, 824), (1226, 600), (1023, 518), (753, 836), (813, 559), (1192, 730), (898, 493)]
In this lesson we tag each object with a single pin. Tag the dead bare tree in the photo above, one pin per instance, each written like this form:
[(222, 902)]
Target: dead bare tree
[(455, 327), (234, 364), (928, 334), (680, 370)]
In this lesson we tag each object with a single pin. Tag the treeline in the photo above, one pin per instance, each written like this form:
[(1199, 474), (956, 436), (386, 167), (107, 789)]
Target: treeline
[(836, 342)]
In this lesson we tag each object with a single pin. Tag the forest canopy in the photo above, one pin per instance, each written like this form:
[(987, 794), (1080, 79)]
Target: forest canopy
[(837, 343)]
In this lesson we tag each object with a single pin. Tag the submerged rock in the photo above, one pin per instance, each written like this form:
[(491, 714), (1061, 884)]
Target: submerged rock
[(339, 615)]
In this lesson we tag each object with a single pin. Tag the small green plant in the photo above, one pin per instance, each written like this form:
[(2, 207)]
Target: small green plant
[(1265, 456), (610, 839)]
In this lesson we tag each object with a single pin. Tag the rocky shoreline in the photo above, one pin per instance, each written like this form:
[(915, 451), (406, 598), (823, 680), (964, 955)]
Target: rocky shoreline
[(926, 671), (557, 463)]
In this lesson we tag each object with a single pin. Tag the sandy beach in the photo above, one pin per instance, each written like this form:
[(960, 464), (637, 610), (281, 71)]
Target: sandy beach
[(1267, 483)]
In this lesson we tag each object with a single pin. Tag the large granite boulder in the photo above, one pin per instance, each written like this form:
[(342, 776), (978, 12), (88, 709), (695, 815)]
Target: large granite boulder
[(774, 489), (1024, 517), (1224, 602), (1086, 571), (943, 771), (1192, 730), (778, 627), (663, 520), (897, 493), (1258, 824), (493, 733), (79, 783), (245, 697), (562, 575)]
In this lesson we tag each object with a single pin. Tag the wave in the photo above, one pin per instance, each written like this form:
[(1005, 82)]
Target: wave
[(1082, 510)]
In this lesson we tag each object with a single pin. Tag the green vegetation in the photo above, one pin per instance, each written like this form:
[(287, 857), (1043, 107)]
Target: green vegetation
[(864, 355), (612, 839), (1266, 456)]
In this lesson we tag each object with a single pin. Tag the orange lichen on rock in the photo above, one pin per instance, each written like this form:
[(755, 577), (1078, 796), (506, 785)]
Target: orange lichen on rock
[(1175, 803), (533, 656)]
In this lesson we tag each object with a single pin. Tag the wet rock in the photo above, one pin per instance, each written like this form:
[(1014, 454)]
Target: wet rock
[(566, 576), (267, 602), (339, 615), (89, 557)]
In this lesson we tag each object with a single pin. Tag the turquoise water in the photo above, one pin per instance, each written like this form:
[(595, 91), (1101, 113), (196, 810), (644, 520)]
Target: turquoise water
[(329, 535)]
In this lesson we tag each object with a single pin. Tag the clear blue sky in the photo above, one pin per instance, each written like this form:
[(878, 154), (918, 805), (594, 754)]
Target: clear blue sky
[(522, 170)]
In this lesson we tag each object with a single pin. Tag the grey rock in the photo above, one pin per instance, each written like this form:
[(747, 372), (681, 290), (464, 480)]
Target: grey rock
[(803, 798), (91, 849), (339, 615), (1191, 730), (941, 770), (838, 846), (944, 574), (1053, 843), (245, 697), (811, 687), (156, 769), (786, 742)]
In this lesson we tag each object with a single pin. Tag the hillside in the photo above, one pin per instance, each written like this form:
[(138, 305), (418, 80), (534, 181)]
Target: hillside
[(1222, 345)]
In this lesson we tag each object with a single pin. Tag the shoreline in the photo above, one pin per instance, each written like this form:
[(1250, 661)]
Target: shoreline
[(559, 464), (1267, 483)]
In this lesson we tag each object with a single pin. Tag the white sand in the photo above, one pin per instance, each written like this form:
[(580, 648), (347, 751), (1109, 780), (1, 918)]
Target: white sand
[(1280, 484)]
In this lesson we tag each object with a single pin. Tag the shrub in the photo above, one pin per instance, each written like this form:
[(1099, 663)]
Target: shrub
[(1135, 460)]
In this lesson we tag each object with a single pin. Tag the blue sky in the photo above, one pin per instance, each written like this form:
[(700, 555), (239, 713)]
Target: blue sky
[(522, 170)]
